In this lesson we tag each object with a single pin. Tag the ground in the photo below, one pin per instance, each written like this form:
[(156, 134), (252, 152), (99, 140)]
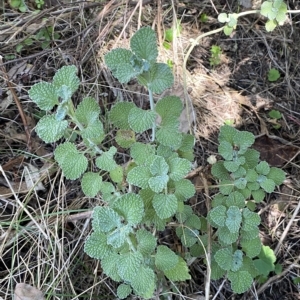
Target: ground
[(43, 227)]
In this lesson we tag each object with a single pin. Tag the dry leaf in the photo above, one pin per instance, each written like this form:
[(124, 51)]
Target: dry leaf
[(25, 291)]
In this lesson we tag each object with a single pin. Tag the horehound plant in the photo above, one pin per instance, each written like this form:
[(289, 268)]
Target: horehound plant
[(149, 192)]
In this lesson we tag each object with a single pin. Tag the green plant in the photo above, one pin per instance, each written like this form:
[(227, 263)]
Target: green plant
[(215, 57), (39, 3), (275, 115), (273, 75), (169, 35), (18, 4)]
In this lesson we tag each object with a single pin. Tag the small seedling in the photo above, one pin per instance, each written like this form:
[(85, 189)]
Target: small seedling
[(39, 3), (169, 35), (273, 75), (18, 4), (215, 58), (275, 115), (203, 18)]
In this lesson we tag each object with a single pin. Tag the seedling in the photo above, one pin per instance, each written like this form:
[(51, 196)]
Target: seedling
[(273, 75), (275, 115), (215, 58), (18, 4)]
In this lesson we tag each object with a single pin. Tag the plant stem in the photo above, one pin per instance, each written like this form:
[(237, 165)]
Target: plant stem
[(152, 106)]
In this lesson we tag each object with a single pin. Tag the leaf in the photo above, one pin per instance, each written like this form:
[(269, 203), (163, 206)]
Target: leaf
[(226, 187), (94, 132), (250, 220), (232, 166), (146, 242), (158, 79), (116, 175), (159, 166), (91, 184), (105, 219), (217, 216), (268, 185), (96, 245), (226, 236), (273, 74), (110, 265), (222, 17), (277, 175), (225, 149), (125, 138), (236, 199), (187, 143), (87, 111), (228, 30), (251, 247), (251, 157), (141, 120), (123, 291), (169, 136), (129, 264), (66, 76), (270, 25), (179, 168), (142, 152), (265, 262), (188, 236), (158, 183), (193, 221), (44, 94), (131, 207), (72, 162), (143, 44), (184, 189), (219, 171), (165, 205), (234, 218), (240, 281), (119, 236), (144, 282), (169, 107), (237, 260), (263, 168), (224, 258), (119, 114), (227, 133), (49, 129), (265, 8), (106, 160), (258, 195), (119, 61), (165, 258), (243, 139), (179, 272), (216, 271), (139, 176)]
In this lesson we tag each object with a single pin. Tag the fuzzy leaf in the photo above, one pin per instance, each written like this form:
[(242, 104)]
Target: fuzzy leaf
[(232, 166), (216, 271), (139, 176), (116, 175), (87, 111), (226, 236), (251, 175), (131, 207), (91, 184), (44, 94), (119, 236), (219, 171), (179, 168), (119, 61), (119, 114), (217, 216), (165, 258), (169, 107), (243, 139), (158, 183), (226, 150), (144, 282), (94, 131), (125, 138), (251, 157), (268, 185), (143, 44), (227, 133), (72, 162), (106, 160), (193, 221), (141, 152), (96, 245), (226, 187), (146, 242), (277, 175), (165, 205), (237, 260), (158, 78), (141, 120), (184, 189), (188, 142), (169, 136), (250, 219), (224, 258), (263, 168), (188, 236), (123, 291), (258, 195), (251, 247), (240, 281), (110, 264), (159, 166), (179, 272), (49, 129), (234, 218), (105, 219), (235, 199), (129, 264), (66, 76), (266, 261)]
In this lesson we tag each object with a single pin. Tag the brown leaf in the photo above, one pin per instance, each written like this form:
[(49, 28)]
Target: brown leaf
[(25, 291)]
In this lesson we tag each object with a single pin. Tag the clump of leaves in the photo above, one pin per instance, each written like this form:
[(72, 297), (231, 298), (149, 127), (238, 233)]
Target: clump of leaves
[(273, 75), (215, 57)]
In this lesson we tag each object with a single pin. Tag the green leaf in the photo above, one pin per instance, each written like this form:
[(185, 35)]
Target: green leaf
[(188, 236), (116, 175), (141, 120), (270, 25), (219, 171), (105, 219), (158, 79), (258, 195), (184, 189), (273, 75), (226, 236), (44, 94), (169, 107), (237, 260), (240, 281), (110, 264), (266, 261), (91, 184), (94, 132), (250, 220), (179, 168), (243, 139), (225, 149), (251, 175), (139, 176), (268, 185), (96, 245), (72, 162), (193, 221), (263, 168), (119, 61), (236, 199), (119, 114), (142, 152), (87, 111), (274, 114), (251, 157), (143, 44), (119, 236), (277, 175), (217, 216), (188, 142), (169, 136), (131, 207), (251, 247), (216, 271), (165, 258), (146, 242), (234, 218), (165, 205), (125, 138), (224, 258), (66, 76), (159, 166), (123, 291), (232, 166), (106, 160), (49, 129), (226, 187), (144, 282), (228, 30), (179, 272), (222, 18), (158, 183), (129, 264)]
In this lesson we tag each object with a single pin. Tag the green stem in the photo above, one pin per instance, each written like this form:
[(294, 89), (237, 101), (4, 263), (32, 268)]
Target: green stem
[(152, 106)]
